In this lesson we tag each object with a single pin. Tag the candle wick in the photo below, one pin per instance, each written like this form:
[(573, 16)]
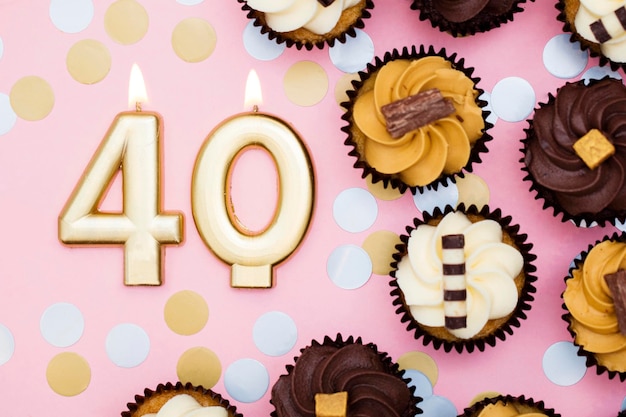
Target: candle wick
[(138, 106), (255, 108)]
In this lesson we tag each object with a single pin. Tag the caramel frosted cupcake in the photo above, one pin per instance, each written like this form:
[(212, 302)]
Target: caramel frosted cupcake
[(509, 406), (308, 23), (595, 304), (343, 377), (179, 399), (575, 152), (415, 119), (462, 278), (461, 18), (598, 26)]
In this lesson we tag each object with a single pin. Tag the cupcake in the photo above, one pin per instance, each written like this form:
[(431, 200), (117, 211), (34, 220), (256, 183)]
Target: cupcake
[(575, 152), (180, 400), (462, 278), (308, 23), (598, 26), (510, 406), (595, 304), (461, 18), (414, 119), (343, 378)]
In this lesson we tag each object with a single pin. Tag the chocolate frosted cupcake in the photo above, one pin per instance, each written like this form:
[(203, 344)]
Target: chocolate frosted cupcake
[(463, 278), (179, 399), (467, 17), (598, 26), (575, 152), (343, 378), (415, 119), (308, 23), (509, 406), (595, 304)]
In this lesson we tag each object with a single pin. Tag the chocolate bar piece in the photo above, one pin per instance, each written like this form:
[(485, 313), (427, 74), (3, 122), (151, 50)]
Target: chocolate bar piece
[(617, 285), (326, 3), (454, 284), (413, 112), (607, 28), (594, 148)]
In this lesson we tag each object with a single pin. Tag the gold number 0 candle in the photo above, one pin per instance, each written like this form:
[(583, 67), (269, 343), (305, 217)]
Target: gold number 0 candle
[(132, 144), (252, 255)]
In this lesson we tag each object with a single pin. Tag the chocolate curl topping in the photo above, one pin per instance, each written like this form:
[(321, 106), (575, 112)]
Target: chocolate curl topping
[(454, 287), (413, 112), (617, 286), (325, 3), (599, 27)]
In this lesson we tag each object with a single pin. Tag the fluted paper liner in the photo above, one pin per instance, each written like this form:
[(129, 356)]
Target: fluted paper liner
[(529, 405)]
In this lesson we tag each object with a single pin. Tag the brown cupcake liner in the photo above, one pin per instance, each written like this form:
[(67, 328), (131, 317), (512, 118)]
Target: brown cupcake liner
[(523, 303), (590, 359), (320, 42), (390, 366), (394, 181), (197, 392), (475, 409), (549, 197), (481, 23)]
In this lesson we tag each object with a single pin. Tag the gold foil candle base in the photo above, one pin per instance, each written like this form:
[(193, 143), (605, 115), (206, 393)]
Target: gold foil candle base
[(243, 276)]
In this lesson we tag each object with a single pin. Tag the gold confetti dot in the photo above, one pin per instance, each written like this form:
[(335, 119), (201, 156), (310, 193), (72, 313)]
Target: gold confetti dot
[(482, 396), (88, 61), (379, 191), (473, 190), (380, 246), (126, 21), (305, 83), (193, 40), (343, 85), (200, 366), (68, 374), (186, 313), (32, 98), (422, 362)]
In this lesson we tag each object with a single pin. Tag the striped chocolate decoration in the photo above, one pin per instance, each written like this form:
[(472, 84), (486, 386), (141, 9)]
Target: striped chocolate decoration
[(599, 27), (454, 287)]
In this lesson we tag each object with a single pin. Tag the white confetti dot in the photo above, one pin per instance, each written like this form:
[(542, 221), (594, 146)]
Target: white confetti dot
[(7, 344), (7, 115), (513, 99), (428, 199), (275, 333), (354, 54), (355, 210), (127, 345), (62, 324), (246, 380), (423, 386), (259, 45), (564, 59), (71, 16), (349, 267), (597, 73), (562, 365), (623, 404), (436, 406), (189, 2)]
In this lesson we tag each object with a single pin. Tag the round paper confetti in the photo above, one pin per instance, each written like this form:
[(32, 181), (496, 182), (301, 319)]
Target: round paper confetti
[(513, 99), (71, 16), (623, 404), (597, 73), (380, 246), (68, 374), (423, 386), (436, 406), (355, 210), (381, 192), (88, 61), (186, 312), (259, 46), (429, 198), (473, 189), (349, 267), (564, 59), (275, 333), (200, 366), (127, 345), (7, 115), (305, 83), (193, 39), (32, 98), (343, 85), (246, 380), (562, 365), (62, 324), (422, 362), (126, 21), (354, 54), (7, 344)]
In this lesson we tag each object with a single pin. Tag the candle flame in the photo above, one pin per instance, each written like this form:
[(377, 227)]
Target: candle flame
[(254, 96), (136, 88)]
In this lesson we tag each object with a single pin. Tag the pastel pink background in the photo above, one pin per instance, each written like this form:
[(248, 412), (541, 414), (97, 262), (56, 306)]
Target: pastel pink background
[(40, 163)]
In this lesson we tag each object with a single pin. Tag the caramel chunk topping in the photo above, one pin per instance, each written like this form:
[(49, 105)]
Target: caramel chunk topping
[(594, 148), (331, 405), (617, 284)]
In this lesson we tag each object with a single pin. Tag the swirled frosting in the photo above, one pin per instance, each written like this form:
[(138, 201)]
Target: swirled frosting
[(462, 11), (550, 156), (422, 155), (356, 369), (590, 303), (184, 405), (491, 267), (591, 11), (289, 15)]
